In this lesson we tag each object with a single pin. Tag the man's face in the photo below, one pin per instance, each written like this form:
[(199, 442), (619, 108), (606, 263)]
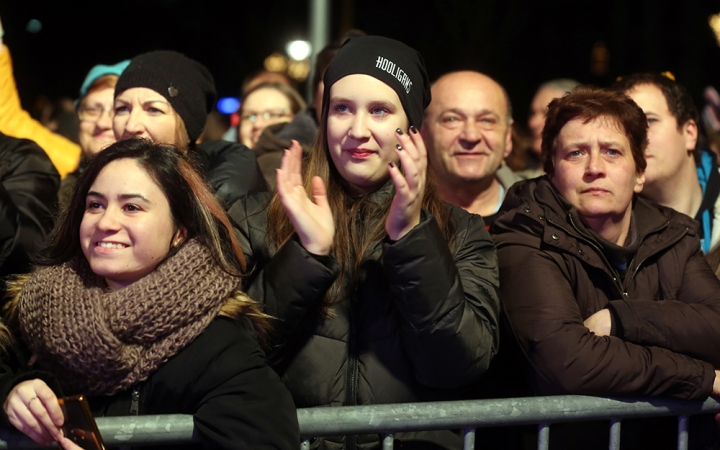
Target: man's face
[(466, 128), (669, 147), (595, 170)]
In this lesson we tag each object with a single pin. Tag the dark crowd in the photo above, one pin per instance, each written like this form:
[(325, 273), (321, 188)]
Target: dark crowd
[(395, 240)]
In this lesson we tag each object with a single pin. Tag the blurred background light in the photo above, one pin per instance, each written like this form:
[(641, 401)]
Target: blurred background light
[(298, 50), (715, 25), (228, 105), (276, 62), (33, 26)]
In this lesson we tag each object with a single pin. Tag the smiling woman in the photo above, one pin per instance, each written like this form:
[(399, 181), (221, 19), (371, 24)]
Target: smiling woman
[(148, 256), (384, 294), (127, 228)]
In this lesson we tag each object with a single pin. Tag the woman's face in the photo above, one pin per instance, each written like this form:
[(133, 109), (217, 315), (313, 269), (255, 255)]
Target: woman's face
[(127, 227), (143, 113), (363, 115), (96, 114), (264, 107)]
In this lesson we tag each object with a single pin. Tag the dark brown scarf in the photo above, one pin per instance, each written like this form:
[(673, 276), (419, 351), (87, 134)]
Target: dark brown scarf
[(99, 342)]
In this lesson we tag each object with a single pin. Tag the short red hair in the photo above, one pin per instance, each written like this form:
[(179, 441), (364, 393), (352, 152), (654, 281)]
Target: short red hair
[(588, 104)]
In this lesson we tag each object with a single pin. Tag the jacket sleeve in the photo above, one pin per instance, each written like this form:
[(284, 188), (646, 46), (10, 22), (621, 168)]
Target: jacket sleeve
[(16, 122), (290, 284), (569, 359), (28, 196), (287, 283), (449, 304), (233, 171), (688, 324)]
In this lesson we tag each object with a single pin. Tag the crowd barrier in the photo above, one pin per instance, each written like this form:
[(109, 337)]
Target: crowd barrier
[(388, 419)]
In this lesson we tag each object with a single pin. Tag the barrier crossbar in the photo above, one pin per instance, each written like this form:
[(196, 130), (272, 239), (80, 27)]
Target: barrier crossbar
[(385, 420)]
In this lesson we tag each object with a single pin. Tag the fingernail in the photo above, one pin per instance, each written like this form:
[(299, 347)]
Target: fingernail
[(391, 164), (413, 129), (399, 131), (398, 146)]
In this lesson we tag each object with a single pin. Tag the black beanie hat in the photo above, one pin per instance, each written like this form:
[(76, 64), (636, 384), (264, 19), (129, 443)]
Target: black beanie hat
[(391, 62), (185, 83)]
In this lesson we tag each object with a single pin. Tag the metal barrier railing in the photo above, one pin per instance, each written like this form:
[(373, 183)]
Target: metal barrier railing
[(388, 419)]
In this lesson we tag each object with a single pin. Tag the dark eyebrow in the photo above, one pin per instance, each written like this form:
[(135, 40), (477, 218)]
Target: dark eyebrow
[(134, 196), (94, 194), (122, 196)]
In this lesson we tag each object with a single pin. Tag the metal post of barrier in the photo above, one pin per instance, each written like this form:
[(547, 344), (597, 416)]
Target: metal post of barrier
[(543, 436), (615, 434), (682, 432), (469, 439), (388, 441)]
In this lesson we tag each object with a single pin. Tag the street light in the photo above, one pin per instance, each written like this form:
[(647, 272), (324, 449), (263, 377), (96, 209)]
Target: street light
[(298, 50)]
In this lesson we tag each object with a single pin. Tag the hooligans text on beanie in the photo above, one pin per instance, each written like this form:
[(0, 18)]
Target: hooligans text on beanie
[(391, 62)]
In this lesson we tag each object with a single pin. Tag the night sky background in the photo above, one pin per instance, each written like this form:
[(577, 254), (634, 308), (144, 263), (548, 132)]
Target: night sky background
[(521, 43)]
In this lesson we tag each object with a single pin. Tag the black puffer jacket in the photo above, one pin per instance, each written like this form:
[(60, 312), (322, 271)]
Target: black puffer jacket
[(666, 310), (231, 170), (221, 378), (28, 196), (420, 322)]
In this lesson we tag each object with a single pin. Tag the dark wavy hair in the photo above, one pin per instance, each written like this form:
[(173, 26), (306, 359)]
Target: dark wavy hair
[(588, 104), (192, 204)]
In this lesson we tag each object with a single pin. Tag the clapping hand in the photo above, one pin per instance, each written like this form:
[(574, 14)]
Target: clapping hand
[(313, 220), (409, 184)]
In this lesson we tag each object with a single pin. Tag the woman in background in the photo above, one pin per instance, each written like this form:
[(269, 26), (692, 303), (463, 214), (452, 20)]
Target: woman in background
[(165, 96)]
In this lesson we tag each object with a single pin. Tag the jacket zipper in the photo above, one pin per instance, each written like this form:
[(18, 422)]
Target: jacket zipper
[(615, 274), (667, 244), (135, 402), (352, 368)]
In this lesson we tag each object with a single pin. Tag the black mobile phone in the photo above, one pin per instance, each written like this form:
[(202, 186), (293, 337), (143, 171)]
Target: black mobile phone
[(80, 426)]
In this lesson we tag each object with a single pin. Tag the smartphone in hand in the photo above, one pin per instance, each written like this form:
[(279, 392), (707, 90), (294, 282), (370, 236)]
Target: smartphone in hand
[(80, 426)]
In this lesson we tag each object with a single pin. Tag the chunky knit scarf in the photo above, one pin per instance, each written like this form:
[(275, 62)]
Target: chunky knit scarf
[(99, 342)]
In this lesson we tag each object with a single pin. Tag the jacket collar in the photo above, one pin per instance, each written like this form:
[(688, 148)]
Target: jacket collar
[(535, 207)]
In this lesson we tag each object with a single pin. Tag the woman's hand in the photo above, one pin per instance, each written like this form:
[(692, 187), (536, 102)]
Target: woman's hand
[(312, 219), (409, 187), (599, 323), (33, 408)]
